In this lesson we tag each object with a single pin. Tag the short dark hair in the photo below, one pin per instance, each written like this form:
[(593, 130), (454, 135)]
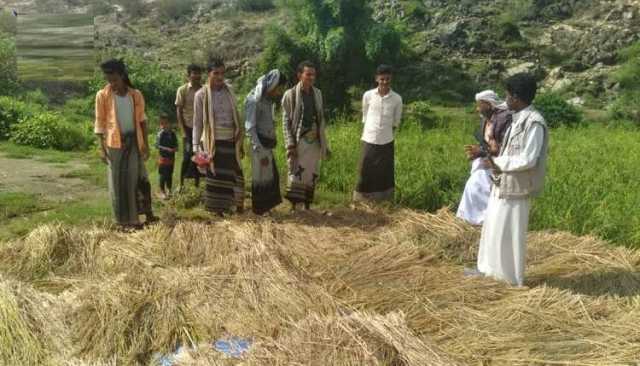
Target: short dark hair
[(304, 64), (116, 66), (194, 68), (384, 70), (163, 115), (214, 63), (522, 86)]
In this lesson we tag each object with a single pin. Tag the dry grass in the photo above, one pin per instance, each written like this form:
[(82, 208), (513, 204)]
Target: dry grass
[(364, 287)]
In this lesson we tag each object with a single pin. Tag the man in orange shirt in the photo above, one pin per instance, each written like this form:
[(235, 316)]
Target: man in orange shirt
[(122, 132)]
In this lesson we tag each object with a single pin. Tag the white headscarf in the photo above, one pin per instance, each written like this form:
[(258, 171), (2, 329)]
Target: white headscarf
[(490, 97)]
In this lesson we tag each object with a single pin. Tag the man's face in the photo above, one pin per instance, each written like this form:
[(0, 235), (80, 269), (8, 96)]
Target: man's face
[(195, 77), (512, 102), (114, 79), (485, 109), (307, 76), (216, 76), (384, 80)]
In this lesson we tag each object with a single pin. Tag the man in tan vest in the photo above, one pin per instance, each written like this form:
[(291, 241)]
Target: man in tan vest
[(518, 175)]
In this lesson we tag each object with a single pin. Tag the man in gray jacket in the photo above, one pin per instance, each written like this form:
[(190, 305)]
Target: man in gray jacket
[(519, 172)]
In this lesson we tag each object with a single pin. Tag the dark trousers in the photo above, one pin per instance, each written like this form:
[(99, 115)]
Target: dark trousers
[(188, 168), (166, 177)]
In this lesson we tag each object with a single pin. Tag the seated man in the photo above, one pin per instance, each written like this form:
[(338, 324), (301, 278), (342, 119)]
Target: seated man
[(495, 119)]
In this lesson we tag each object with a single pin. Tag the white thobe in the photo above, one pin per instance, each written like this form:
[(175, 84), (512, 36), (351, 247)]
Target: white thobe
[(475, 198), (503, 240)]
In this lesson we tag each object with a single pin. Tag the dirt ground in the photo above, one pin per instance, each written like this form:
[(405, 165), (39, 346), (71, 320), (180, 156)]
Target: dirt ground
[(49, 180)]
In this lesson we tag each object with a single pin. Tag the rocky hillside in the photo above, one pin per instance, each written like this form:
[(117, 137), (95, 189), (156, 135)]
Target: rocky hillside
[(572, 45)]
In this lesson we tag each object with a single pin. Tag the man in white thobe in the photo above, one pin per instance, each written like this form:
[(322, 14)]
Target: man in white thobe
[(519, 173), (496, 118)]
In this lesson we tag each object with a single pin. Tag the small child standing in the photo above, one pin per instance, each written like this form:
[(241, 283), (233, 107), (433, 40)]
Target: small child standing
[(167, 144)]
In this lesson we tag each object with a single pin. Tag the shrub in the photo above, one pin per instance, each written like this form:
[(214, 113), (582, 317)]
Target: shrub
[(420, 113), (415, 9), (176, 9), (11, 112), (35, 97), (49, 130), (79, 110), (626, 107), (133, 8), (556, 111), (254, 5)]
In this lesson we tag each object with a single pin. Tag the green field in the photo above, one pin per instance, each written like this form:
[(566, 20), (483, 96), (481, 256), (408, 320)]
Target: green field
[(55, 47), (593, 186)]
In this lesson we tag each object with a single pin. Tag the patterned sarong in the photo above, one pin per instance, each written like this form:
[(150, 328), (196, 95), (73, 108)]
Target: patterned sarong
[(224, 186)]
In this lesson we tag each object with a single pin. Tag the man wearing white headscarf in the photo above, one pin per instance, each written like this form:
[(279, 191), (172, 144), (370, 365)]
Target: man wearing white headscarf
[(495, 119), (259, 108)]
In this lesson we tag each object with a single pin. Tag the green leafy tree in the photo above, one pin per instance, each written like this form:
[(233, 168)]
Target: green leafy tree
[(341, 37)]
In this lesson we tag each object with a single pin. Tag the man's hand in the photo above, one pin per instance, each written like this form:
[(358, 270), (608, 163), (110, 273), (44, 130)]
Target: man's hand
[(472, 151), (494, 149), (145, 154)]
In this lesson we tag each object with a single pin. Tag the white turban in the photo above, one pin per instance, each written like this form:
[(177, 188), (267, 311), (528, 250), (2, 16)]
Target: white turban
[(490, 97)]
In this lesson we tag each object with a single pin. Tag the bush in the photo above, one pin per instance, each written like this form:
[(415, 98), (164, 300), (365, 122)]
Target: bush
[(12, 111), (415, 9), (79, 110), (254, 5), (35, 97), (50, 130), (556, 111), (626, 107), (420, 113), (176, 9), (133, 8)]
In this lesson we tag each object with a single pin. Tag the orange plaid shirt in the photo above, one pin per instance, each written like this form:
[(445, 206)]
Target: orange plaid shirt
[(107, 120)]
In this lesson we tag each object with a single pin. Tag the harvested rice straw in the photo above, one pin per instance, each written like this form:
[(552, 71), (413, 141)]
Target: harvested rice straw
[(30, 331)]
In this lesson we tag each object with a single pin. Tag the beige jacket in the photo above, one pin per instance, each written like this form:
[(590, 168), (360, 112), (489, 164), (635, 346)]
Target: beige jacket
[(523, 156)]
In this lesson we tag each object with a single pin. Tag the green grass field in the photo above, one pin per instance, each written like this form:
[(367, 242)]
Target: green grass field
[(592, 183)]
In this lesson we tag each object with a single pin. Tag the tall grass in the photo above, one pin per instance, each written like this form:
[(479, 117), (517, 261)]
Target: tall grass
[(592, 187)]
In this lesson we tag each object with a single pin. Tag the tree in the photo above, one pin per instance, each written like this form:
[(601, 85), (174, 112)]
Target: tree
[(341, 37)]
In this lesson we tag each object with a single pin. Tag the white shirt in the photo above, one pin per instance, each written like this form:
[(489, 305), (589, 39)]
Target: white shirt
[(380, 114)]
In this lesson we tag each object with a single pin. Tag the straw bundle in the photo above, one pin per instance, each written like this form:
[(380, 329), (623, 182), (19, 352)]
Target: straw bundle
[(30, 331), (363, 287)]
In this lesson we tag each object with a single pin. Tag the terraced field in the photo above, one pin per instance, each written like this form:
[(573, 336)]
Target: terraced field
[(55, 47)]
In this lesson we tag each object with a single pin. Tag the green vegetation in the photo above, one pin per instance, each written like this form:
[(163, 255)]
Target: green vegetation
[(8, 65), (627, 106), (176, 9), (557, 112), (339, 36), (255, 5), (50, 130)]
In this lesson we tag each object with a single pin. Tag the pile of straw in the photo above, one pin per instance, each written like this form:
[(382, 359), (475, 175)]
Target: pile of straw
[(355, 287)]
